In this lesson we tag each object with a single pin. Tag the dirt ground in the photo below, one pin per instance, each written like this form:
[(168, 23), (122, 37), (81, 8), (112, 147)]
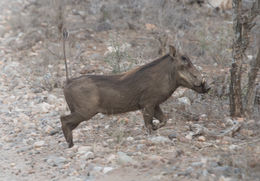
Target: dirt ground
[(110, 37)]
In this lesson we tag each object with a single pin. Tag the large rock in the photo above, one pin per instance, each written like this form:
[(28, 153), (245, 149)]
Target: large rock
[(184, 100)]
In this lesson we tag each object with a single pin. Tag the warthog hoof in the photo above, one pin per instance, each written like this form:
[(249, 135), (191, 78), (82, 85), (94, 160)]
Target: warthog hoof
[(157, 126), (67, 133)]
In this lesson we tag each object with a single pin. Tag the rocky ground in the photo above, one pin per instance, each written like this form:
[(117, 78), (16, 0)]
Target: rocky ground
[(115, 148)]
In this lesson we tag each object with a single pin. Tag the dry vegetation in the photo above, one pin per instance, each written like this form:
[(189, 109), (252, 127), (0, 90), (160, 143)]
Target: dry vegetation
[(109, 37)]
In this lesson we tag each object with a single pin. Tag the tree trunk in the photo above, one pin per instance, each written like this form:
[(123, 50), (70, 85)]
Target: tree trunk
[(255, 66), (250, 97), (236, 107), (235, 98)]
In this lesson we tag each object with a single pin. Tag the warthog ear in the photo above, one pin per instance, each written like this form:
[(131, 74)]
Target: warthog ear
[(172, 50)]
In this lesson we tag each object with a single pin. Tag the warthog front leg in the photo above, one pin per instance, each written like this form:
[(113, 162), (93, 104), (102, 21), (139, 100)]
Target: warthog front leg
[(148, 114), (158, 114)]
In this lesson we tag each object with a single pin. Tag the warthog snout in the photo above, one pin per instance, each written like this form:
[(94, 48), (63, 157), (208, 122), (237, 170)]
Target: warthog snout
[(203, 87)]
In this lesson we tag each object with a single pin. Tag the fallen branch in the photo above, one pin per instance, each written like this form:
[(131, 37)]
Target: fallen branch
[(56, 55), (200, 130), (250, 142)]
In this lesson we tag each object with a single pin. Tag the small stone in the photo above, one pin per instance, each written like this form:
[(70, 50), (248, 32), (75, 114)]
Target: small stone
[(97, 169), (84, 149), (24, 149), (39, 144), (250, 57), (23, 117), (196, 164), (111, 158), (129, 138), (170, 170), (223, 125), (172, 136), (178, 153), (189, 169), (48, 129), (156, 121), (233, 147), (247, 132), (88, 155), (228, 121), (104, 26), (187, 172), (222, 170), (105, 144), (213, 164), (158, 177), (189, 136), (107, 169), (203, 117), (124, 159), (251, 121), (155, 158), (140, 146), (250, 132), (43, 107), (240, 120), (204, 160), (178, 93), (56, 161), (237, 171), (53, 132), (110, 140), (159, 139), (205, 172), (52, 99), (201, 138), (223, 178), (198, 67), (184, 100), (30, 126)]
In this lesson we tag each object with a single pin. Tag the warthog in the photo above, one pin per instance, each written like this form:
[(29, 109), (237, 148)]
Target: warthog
[(143, 88)]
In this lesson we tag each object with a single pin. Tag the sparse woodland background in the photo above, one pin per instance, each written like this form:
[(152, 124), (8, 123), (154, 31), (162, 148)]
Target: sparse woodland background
[(113, 36)]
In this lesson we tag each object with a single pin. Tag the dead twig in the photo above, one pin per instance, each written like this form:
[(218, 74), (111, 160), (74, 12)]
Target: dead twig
[(250, 142), (206, 145), (200, 130), (58, 56)]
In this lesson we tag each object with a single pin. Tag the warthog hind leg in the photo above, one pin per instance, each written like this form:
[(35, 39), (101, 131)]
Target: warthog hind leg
[(69, 123)]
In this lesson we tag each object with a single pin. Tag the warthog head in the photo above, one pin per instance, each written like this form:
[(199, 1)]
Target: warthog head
[(187, 74)]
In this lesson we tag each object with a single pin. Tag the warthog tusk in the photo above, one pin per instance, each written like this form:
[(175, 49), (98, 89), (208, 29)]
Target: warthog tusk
[(203, 80)]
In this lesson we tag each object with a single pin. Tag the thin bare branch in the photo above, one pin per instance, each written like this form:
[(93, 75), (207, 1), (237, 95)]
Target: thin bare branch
[(56, 55), (200, 130)]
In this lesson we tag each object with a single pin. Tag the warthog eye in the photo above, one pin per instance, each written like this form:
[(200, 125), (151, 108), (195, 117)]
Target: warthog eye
[(184, 58)]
